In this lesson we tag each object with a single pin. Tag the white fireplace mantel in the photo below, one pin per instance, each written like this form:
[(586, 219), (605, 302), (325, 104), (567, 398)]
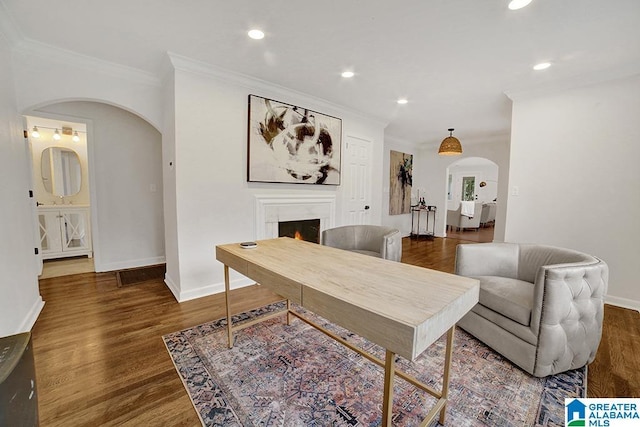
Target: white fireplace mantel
[(271, 209)]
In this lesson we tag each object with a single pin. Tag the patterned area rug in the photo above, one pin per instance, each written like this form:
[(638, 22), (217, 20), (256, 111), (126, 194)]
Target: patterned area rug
[(279, 375)]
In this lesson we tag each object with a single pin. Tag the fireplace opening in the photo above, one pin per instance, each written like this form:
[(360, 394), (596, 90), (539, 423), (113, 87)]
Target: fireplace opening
[(307, 230)]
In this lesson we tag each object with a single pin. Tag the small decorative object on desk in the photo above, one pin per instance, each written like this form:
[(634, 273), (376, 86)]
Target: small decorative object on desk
[(248, 245)]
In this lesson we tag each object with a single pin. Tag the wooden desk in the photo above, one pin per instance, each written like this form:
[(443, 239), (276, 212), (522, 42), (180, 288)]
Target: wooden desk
[(402, 308)]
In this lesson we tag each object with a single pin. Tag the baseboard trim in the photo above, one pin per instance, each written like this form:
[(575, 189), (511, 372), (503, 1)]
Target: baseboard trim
[(623, 302), (212, 289), (175, 290), (32, 316), (123, 265)]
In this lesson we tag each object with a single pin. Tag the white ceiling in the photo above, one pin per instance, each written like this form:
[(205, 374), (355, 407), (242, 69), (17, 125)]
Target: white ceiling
[(452, 59)]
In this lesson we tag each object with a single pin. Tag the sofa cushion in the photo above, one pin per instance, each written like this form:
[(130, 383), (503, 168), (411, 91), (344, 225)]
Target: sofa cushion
[(512, 298)]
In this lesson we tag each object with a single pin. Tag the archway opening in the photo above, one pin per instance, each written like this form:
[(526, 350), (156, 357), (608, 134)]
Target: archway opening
[(125, 182), (471, 199)]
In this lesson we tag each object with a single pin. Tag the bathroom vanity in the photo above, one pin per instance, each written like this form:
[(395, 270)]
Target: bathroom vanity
[(65, 231)]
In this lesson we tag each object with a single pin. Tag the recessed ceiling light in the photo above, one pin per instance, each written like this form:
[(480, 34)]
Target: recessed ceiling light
[(542, 66), (402, 101), (256, 34), (348, 74), (518, 4)]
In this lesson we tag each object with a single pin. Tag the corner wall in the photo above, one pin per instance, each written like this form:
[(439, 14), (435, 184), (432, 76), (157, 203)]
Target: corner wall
[(574, 163), (20, 301), (214, 202)]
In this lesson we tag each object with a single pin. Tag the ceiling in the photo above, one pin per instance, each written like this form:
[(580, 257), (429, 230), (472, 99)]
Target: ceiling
[(452, 59)]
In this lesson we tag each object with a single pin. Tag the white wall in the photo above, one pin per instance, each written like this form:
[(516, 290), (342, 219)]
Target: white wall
[(43, 75), (215, 203), (433, 177), (126, 170), (172, 259), (20, 301), (574, 161)]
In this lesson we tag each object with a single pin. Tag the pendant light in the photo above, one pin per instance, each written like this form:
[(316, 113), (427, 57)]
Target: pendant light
[(450, 146)]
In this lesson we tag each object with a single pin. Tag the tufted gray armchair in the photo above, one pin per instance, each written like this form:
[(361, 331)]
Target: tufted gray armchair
[(374, 240), (540, 306)]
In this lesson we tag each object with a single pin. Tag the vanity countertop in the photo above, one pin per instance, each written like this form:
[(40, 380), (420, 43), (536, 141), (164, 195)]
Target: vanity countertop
[(65, 206)]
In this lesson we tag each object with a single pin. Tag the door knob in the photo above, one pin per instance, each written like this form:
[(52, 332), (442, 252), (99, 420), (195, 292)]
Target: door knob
[(366, 207)]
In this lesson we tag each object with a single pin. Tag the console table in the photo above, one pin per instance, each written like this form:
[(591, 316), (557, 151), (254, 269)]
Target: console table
[(402, 308)]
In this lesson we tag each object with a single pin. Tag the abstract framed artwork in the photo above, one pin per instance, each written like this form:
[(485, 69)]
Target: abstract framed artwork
[(400, 182), (290, 144)]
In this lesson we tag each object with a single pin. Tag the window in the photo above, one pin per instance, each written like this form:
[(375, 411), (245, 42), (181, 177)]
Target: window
[(468, 188)]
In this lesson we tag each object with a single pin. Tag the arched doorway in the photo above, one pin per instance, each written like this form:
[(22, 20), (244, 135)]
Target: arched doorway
[(471, 199), (124, 158)]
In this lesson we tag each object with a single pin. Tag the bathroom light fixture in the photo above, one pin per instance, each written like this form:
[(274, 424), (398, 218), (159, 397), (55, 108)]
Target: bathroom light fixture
[(450, 146), (348, 74), (542, 66), (256, 34), (518, 4), (57, 135)]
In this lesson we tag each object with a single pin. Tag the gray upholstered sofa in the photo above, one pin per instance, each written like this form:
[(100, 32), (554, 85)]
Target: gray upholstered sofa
[(540, 306), (374, 240), (456, 220), (488, 214)]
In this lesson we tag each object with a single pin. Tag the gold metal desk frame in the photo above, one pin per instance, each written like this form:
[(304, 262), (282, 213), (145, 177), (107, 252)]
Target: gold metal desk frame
[(400, 307)]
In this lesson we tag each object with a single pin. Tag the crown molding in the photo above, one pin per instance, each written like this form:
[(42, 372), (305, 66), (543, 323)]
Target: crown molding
[(8, 29), (560, 85), (22, 45), (253, 84), (399, 142), (45, 52)]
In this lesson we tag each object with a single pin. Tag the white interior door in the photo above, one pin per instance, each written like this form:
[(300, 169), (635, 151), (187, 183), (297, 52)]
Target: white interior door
[(357, 181)]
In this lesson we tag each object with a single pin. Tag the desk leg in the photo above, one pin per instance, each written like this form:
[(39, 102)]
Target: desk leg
[(227, 302), (389, 373), (289, 315), (447, 367)]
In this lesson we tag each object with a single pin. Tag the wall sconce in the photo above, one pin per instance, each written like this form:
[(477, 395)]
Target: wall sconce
[(484, 183), (450, 146), (35, 133), (75, 136), (56, 135)]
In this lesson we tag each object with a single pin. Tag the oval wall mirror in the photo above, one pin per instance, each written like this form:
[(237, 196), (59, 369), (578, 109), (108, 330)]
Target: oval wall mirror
[(61, 171)]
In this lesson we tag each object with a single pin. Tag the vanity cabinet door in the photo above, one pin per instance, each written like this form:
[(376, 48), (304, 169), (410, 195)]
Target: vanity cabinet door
[(74, 230), (50, 238), (64, 232)]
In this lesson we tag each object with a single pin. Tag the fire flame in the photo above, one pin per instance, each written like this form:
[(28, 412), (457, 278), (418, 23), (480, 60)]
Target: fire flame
[(298, 236)]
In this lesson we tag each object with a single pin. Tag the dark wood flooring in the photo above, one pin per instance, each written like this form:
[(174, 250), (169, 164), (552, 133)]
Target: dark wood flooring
[(100, 359)]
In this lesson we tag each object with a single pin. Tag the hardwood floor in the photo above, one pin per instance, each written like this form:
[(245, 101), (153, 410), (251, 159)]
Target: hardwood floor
[(100, 358), (483, 234), (66, 267)]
